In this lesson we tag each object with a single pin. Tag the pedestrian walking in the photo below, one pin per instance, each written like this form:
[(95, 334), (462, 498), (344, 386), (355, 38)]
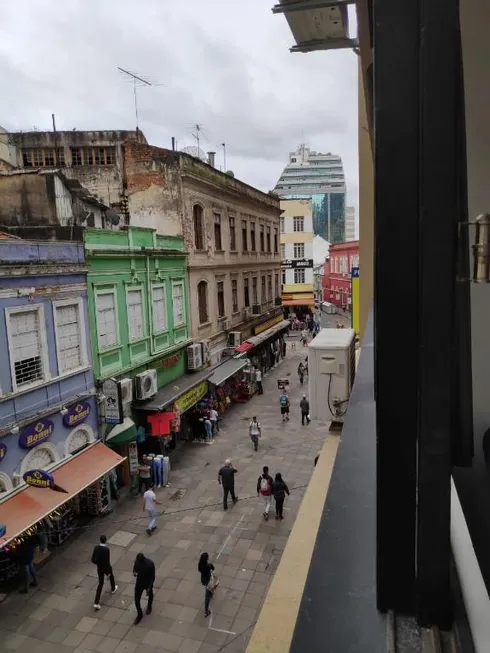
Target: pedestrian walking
[(301, 373), (101, 557), (226, 478), (209, 430), (258, 379), (213, 418), (264, 490), (144, 570), (24, 556), (304, 404), (284, 402), (208, 579), (150, 504), (144, 474), (279, 491), (255, 432), (304, 337)]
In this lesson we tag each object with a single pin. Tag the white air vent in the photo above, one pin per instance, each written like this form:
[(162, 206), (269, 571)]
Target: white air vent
[(126, 390), (146, 384), (194, 356)]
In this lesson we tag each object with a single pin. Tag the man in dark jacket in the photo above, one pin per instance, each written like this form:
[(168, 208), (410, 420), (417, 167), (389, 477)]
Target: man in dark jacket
[(24, 556), (102, 558), (304, 404), (144, 570), (226, 478)]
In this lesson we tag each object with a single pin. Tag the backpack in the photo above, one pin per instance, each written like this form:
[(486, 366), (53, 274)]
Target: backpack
[(284, 400), (264, 484)]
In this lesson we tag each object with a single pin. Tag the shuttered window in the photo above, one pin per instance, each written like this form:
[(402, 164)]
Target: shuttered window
[(106, 320), (68, 328), (159, 309), (26, 347), (135, 314)]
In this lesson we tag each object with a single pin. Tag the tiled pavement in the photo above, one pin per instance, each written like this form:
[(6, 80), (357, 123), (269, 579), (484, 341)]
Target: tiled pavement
[(58, 616)]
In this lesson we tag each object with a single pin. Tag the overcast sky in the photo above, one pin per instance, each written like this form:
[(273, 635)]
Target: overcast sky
[(223, 64)]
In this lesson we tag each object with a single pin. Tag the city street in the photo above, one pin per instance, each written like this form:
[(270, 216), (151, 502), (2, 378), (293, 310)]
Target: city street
[(58, 616)]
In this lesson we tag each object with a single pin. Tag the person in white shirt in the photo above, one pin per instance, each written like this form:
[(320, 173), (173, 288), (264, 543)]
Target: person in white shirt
[(255, 432), (258, 378), (213, 418), (150, 503)]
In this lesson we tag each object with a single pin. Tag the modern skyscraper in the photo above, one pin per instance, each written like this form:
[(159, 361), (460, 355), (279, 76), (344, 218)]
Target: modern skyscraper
[(350, 223), (319, 177)]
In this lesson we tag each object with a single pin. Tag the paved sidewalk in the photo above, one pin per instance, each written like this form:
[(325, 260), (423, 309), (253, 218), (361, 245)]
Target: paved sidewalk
[(58, 616)]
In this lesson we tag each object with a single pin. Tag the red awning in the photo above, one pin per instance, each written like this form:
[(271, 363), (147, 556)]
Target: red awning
[(244, 347), (31, 505)]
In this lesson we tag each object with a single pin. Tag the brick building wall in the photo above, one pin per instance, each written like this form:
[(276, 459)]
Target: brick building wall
[(337, 273)]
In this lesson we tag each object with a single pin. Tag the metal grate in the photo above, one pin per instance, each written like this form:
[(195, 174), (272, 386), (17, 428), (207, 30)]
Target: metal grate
[(68, 340), (26, 347)]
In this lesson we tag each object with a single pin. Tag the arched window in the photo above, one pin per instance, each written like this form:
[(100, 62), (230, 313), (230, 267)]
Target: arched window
[(5, 483), (198, 220), (41, 457), (202, 301), (79, 438)]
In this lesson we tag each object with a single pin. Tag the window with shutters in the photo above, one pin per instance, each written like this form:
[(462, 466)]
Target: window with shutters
[(218, 244), (178, 304), (159, 309), (277, 293), (232, 234), (202, 302), (299, 250), (26, 332), (198, 220), (253, 244), (220, 289), (70, 335), (136, 322), (234, 295), (105, 307)]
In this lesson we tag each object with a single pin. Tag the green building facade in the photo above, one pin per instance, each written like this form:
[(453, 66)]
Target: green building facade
[(138, 303)]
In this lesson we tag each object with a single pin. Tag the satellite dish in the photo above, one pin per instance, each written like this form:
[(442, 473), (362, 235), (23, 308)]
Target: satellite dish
[(113, 217), (196, 152), (230, 173)]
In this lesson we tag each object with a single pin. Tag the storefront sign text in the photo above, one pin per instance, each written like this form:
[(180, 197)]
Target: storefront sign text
[(133, 458), (3, 451), (191, 397), (77, 414), (111, 389), (35, 434), (355, 273), (267, 325), (170, 361), (291, 263), (39, 478)]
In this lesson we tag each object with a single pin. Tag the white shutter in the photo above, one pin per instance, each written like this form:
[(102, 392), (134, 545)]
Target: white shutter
[(178, 303), (68, 337), (159, 310), (26, 348), (135, 314), (106, 320)]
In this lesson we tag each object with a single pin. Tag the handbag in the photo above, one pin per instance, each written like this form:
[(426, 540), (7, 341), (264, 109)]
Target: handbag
[(213, 582)]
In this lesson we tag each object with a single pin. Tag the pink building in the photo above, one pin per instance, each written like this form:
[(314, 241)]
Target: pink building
[(337, 274)]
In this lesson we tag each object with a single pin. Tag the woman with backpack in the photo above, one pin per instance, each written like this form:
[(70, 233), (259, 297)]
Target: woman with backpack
[(208, 579), (279, 491)]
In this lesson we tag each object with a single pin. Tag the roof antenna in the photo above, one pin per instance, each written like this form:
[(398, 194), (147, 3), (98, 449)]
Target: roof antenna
[(137, 81)]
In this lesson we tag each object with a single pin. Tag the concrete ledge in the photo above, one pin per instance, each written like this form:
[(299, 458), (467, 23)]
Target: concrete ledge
[(275, 626)]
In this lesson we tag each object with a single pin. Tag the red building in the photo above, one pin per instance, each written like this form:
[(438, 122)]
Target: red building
[(336, 278)]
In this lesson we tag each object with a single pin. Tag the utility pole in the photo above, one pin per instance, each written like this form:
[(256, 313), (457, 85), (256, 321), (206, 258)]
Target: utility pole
[(197, 135)]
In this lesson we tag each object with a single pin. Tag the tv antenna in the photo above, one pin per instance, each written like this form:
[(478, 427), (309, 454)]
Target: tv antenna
[(197, 135), (137, 81)]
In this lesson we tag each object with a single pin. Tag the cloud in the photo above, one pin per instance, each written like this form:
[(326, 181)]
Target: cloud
[(223, 65)]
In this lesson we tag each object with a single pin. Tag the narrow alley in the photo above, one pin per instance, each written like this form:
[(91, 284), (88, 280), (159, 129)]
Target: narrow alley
[(58, 616)]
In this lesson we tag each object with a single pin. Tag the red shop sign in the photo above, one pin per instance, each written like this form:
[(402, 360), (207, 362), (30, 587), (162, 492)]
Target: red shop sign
[(170, 361)]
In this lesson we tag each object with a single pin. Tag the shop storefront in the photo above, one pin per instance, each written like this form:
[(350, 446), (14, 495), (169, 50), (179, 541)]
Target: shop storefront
[(266, 347), (52, 504), (231, 382)]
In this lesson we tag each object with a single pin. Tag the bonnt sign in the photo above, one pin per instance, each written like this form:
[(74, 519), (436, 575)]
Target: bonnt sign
[(35, 434), (39, 478), (291, 264), (77, 414), (191, 397)]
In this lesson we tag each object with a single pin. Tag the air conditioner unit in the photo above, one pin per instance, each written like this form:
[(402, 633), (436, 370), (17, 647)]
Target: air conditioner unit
[(234, 338), (126, 390), (194, 356), (331, 372), (226, 324), (146, 384), (247, 313), (206, 351), (256, 309)]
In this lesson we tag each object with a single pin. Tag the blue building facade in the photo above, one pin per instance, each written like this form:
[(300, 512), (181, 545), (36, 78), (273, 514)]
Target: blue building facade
[(48, 409)]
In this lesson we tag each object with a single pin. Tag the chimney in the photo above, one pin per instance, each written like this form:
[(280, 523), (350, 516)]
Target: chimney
[(211, 156), (173, 143)]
